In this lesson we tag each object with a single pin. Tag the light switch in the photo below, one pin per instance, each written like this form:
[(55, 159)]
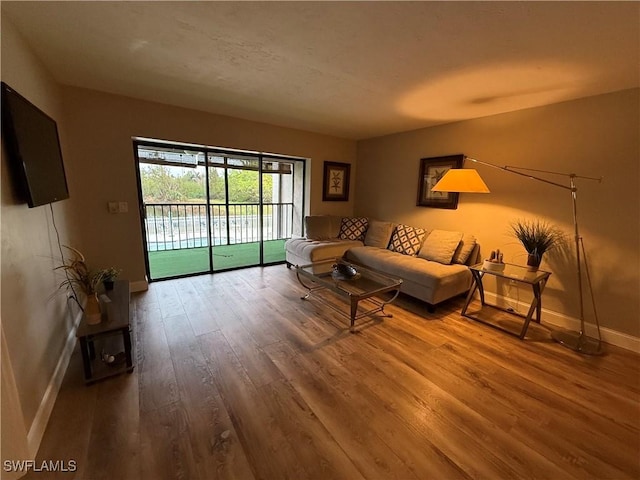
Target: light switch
[(113, 207), (123, 207)]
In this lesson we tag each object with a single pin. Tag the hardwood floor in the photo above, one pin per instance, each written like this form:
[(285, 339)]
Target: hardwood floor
[(237, 378)]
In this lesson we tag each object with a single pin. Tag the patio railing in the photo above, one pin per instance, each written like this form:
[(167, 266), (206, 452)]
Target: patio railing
[(174, 226)]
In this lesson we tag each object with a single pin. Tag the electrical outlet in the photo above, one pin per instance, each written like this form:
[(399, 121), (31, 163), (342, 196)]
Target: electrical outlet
[(123, 207), (113, 207)]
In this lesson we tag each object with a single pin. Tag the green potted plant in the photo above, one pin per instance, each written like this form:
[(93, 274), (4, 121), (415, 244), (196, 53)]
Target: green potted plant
[(80, 277), (537, 237), (109, 276)]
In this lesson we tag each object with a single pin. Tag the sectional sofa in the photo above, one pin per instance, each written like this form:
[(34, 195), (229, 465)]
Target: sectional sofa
[(432, 264)]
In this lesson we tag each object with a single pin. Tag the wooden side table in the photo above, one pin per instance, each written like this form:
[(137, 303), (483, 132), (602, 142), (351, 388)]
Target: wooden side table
[(537, 280), (115, 323)]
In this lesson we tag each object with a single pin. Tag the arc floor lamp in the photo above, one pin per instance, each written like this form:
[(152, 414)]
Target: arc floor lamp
[(466, 180)]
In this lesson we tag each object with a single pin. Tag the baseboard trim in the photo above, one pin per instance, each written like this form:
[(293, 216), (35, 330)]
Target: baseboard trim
[(556, 319), (39, 424)]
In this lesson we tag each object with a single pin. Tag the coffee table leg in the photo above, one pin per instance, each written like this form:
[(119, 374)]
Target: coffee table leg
[(383, 304), (354, 312), (308, 287)]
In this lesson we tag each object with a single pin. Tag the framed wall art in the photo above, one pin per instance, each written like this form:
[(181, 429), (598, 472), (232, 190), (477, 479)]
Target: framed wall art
[(336, 182), (431, 171)]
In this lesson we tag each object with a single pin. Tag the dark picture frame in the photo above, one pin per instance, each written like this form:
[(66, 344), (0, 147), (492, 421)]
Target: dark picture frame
[(335, 185), (431, 171)]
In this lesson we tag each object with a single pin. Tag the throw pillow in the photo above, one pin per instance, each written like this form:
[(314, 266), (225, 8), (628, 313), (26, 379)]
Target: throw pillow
[(353, 228), (466, 246), (440, 246), (406, 239), (378, 234), (318, 227)]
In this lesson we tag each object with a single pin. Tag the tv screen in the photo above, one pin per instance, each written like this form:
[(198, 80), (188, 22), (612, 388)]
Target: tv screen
[(31, 140)]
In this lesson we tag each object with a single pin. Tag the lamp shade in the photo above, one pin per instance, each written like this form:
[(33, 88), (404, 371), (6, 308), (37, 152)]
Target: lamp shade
[(463, 180)]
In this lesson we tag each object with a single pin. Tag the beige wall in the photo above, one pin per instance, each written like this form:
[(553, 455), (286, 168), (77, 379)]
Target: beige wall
[(96, 132), (35, 320), (592, 136), (102, 168)]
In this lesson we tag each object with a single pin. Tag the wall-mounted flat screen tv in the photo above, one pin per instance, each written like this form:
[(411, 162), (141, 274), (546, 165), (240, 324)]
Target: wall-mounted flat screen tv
[(32, 144)]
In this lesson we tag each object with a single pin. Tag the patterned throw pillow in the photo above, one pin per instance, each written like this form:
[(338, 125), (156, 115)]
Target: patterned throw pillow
[(407, 239), (353, 228)]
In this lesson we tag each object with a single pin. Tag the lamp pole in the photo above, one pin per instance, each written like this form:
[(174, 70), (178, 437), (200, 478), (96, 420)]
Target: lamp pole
[(578, 341)]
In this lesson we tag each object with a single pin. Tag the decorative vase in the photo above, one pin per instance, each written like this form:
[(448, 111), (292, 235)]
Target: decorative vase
[(533, 262), (92, 309)]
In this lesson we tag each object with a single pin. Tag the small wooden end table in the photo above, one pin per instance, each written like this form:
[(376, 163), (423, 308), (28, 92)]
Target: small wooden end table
[(517, 273), (115, 323)]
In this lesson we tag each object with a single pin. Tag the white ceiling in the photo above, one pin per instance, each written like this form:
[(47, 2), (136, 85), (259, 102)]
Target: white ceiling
[(350, 69)]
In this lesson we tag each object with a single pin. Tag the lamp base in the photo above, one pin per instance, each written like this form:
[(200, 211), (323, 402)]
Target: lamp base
[(578, 342)]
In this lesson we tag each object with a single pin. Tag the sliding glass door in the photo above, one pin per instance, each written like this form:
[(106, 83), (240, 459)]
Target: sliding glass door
[(277, 207), (207, 210), (236, 226), (173, 188)]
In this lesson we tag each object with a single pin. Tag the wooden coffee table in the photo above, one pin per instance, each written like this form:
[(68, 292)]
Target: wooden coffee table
[(368, 285)]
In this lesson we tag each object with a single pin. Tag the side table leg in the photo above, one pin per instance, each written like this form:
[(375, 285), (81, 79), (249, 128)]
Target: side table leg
[(537, 293), (478, 276), (533, 308), (477, 285), (92, 349), (472, 290), (126, 337), (86, 360)]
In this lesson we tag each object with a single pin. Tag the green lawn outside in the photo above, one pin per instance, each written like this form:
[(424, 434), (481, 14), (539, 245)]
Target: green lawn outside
[(171, 263)]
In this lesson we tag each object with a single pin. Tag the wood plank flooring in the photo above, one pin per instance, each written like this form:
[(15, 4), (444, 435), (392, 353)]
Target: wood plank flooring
[(237, 378)]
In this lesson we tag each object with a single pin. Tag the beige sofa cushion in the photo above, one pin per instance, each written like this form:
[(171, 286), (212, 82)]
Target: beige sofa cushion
[(301, 250), (440, 246), (322, 227), (424, 279), (379, 234), (465, 247)]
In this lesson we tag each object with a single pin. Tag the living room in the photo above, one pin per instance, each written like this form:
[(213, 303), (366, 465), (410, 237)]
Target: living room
[(593, 134)]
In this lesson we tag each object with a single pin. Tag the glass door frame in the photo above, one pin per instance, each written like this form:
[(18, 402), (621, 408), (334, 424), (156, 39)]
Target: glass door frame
[(224, 152)]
